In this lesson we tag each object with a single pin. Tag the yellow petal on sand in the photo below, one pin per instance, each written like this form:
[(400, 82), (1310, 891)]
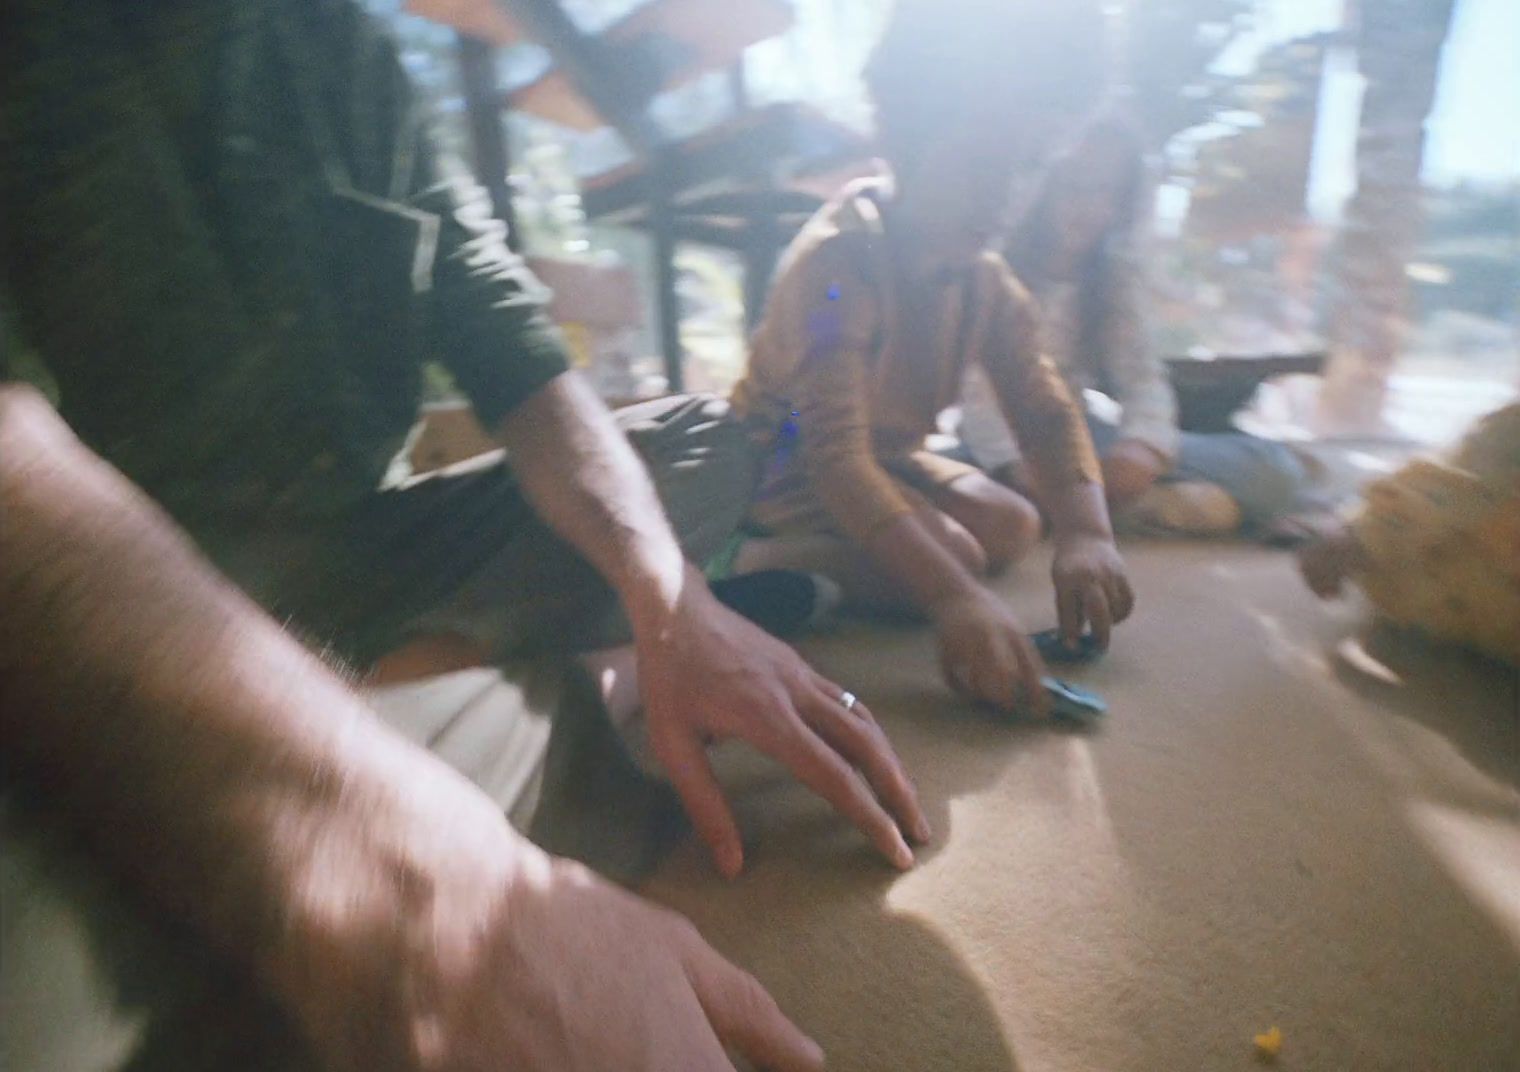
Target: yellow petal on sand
[(1269, 1043)]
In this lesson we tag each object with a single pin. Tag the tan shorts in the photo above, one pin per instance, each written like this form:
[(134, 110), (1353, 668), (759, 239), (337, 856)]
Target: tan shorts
[(787, 505)]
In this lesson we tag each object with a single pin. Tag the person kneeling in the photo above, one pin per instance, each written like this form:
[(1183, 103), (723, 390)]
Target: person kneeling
[(881, 303)]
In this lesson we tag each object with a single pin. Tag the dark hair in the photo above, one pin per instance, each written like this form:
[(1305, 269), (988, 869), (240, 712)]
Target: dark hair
[(940, 60), (1034, 237), (1102, 268)]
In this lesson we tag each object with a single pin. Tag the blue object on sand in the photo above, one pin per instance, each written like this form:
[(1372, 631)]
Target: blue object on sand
[(1052, 647), (1071, 704)]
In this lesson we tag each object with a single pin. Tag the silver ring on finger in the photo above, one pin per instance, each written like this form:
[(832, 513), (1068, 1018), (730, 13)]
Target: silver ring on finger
[(849, 700)]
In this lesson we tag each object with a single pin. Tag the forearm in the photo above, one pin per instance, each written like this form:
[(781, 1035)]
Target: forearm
[(1078, 511), (221, 767), (588, 484), (904, 550)]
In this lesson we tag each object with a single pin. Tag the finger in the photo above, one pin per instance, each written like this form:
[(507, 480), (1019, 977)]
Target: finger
[(819, 768), (1069, 611), (956, 674), (856, 736), (1002, 672), (685, 762), (1096, 604), (747, 1018), (1031, 673), (1124, 598)]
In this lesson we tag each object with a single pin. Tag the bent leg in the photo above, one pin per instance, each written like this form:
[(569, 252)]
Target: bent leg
[(514, 584), (1005, 525), (1263, 477), (864, 587)]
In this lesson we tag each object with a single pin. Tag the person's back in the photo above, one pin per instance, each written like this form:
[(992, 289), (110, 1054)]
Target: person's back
[(241, 207), (914, 337)]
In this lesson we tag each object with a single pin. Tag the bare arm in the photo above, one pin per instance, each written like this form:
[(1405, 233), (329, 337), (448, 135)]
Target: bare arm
[(704, 673), (1090, 583), (590, 486), (983, 650), (231, 776), (153, 700)]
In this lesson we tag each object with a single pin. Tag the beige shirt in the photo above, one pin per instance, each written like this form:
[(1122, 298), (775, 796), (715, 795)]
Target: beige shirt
[(853, 363)]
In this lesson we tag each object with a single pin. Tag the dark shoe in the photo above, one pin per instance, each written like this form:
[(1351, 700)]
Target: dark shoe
[(782, 602)]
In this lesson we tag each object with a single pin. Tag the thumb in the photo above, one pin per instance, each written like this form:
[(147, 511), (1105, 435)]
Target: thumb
[(745, 1017)]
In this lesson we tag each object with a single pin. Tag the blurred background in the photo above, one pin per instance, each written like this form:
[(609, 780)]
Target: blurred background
[(1332, 179)]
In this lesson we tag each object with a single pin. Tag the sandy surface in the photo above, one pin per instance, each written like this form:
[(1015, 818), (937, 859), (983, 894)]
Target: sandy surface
[(1287, 820)]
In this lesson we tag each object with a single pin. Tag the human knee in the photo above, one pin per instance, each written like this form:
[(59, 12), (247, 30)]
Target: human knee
[(1016, 533), (1006, 527), (967, 549), (1270, 484), (703, 466)]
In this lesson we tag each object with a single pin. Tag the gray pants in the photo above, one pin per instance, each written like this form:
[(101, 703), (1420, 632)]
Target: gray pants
[(465, 553)]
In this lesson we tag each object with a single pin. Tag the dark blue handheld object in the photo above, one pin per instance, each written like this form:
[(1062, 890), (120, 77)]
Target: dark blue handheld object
[(1053, 649), (1071, 704)]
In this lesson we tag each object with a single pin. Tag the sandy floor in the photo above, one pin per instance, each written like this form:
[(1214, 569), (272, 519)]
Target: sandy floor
[(1276, 827)]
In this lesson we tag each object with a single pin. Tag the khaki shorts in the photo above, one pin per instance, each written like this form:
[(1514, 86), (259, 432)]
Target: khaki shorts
[(786, 505)]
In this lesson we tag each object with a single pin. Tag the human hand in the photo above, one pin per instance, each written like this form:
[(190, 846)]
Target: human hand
[(1130, 467), (1328, 560), (451, 944), (707, 675), (985, 654), (1091, 587)]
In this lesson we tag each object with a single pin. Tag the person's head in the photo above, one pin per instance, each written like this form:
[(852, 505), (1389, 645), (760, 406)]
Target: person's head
[(969, 93), (1093, 190)]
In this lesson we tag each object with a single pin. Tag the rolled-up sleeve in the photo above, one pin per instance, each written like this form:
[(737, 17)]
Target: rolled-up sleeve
[(483, 313), (487, 312), (1047, 421)]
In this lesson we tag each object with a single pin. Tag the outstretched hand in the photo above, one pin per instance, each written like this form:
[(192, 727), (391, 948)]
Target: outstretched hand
[(707, 675)]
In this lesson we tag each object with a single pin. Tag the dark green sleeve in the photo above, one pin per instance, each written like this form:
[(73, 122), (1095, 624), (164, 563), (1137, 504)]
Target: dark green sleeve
[(19, 362), (488, 319), (485, 314)]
